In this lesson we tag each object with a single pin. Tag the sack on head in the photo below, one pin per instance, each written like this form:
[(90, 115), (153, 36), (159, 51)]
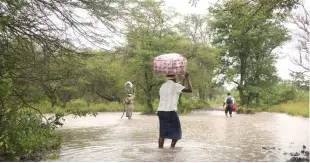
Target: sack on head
[(128, 88)]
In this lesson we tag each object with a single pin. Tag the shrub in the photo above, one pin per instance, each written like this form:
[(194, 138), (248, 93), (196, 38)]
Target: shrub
[(188, 104), (25, 137)]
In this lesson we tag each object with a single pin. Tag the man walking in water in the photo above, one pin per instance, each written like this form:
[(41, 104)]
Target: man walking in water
[(169, 123), (229, 101)]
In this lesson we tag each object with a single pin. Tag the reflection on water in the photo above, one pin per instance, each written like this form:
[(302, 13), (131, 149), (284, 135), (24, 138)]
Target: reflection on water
[(207, 136)]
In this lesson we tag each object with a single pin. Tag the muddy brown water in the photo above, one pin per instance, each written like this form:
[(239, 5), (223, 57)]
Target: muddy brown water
[(207, 136)]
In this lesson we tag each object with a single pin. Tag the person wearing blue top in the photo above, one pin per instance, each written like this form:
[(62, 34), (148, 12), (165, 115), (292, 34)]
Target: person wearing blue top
[(229, 101)]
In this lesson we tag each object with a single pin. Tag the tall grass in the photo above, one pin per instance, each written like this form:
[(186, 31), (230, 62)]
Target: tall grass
[(299, 108), (82, 105)]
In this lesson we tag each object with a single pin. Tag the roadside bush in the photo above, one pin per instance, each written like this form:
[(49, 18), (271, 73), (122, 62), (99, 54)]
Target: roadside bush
[(278, 94), (25, 137), (189, 104)]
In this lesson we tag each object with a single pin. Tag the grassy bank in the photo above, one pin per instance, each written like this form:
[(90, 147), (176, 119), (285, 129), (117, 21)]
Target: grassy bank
[(82, 106), (294, 103), (297, 108)]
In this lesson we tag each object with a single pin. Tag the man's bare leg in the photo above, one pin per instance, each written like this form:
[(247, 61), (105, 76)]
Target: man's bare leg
[(173, 143), (161, 142), (226, 111)]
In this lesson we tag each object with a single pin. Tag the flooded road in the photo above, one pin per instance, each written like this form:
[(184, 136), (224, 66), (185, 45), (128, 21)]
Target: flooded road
[(207, 136)]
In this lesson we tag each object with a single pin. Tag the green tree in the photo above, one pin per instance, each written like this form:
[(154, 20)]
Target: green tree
[(148, 35), (201, 56), (247, 46), (103, 76), (37, 59)]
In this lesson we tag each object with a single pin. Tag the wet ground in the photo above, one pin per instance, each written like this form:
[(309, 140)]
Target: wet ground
[(207, 136)]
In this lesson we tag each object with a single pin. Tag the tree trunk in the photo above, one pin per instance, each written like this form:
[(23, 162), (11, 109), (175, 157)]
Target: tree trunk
[(148, 92), (53, 101), (241, 95), (149, 101), (64, 104), (242, 80), (257, 99), (150, 105), (51, 94), (202, 95)]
